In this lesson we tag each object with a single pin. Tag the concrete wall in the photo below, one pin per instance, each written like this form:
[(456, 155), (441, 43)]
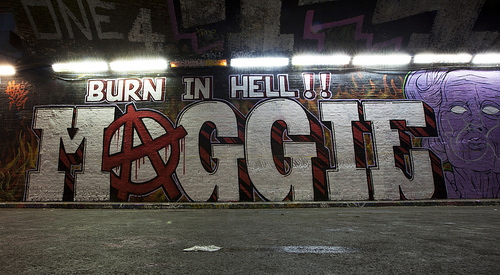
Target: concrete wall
[(61, 29), (223, 134)]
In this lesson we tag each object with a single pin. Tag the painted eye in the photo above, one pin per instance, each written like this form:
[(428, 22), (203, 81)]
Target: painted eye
[(458, 110), (490, 110)]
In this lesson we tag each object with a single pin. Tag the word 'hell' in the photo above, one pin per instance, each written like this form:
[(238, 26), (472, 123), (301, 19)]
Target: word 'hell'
[(259, 86)]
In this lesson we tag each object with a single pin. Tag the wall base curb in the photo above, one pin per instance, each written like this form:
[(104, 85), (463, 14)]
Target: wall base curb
[(246, 205)]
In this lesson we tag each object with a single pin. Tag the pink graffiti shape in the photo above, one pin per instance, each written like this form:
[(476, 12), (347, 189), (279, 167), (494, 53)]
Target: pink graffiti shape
[(313, 32), (192, 35)]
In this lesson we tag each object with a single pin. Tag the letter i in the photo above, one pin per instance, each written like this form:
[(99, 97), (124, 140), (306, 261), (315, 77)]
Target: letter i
[(309, 92), (324, 79)]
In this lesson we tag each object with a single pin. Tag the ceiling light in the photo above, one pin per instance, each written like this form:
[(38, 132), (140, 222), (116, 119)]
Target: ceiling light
[(308, 60), (427, 58), (81, 67), (381, 60), (7, 70), (139, 65), (260, 62), (486, 58)]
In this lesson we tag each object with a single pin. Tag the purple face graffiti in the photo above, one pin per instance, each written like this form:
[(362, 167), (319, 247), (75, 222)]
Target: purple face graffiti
[(469, 119), (467, 108)]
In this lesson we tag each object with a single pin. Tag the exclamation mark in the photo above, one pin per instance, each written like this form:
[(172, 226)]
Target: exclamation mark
[(324, 79), (309, 92)]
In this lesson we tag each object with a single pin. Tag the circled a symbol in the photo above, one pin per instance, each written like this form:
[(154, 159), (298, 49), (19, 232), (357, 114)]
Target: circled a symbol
[(132, 123)]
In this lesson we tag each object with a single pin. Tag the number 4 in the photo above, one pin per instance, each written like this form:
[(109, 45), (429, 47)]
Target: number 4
[(142, 31)]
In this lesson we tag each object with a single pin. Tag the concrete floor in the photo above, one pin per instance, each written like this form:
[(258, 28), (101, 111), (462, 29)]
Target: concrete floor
[(383, 240)]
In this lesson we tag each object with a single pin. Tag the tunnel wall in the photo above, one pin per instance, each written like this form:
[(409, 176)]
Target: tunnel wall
[(200, 132)]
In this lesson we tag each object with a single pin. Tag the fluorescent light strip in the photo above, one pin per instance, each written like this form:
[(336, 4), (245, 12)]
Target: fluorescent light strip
[(81, 67), (310, 60), (486, 58), (7, 70), (381, 60), (259, 62), (139, 65), (199, 63), (426, 58)]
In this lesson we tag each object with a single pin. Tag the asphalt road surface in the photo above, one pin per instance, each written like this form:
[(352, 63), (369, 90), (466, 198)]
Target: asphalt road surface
[(383, 240)]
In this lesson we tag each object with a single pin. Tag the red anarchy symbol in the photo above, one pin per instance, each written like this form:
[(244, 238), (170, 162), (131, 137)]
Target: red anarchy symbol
[(132, 120)]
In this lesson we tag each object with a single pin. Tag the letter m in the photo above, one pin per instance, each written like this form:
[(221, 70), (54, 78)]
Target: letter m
[(69, 154)]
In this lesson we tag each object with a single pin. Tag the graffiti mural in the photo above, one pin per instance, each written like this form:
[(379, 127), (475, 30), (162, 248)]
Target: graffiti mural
[(288, 136), (468, 111), (285, 147), (203, 131)]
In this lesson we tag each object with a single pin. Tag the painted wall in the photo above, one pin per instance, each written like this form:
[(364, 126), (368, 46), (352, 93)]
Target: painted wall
[(221, 134), (62, 29), (253, 137)]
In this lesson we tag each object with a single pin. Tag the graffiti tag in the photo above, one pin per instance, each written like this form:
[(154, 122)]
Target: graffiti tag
[(18, 94)]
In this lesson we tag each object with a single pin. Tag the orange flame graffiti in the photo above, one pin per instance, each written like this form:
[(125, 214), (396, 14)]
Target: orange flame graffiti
[(23, 154), (357, 90)]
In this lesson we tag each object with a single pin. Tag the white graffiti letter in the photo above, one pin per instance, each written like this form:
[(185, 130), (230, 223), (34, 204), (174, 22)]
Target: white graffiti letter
[(95, 90), (66, 14), (387, 177), (195, 180), (42, 3), (154, 90), (261, 167), (98, 18), (346, 182), (47, 184)]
